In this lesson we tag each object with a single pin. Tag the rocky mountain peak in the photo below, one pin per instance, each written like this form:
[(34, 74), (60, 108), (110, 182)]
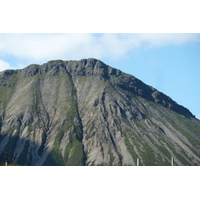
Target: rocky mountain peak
[(88, 113)]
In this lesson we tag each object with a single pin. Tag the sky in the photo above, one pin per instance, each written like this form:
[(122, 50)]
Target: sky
[(168, 62)]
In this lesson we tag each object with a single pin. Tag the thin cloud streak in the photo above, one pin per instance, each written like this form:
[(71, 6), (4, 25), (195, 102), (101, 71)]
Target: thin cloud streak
[(165, 39), (44, 47)]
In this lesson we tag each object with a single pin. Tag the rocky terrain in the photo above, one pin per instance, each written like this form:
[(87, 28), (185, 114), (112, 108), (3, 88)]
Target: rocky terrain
[(88, 113)]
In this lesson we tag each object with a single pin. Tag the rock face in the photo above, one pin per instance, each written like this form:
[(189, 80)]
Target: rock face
[(87, 113)]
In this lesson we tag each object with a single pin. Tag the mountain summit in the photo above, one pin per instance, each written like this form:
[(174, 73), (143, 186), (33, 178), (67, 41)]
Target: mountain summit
[(88, 113)]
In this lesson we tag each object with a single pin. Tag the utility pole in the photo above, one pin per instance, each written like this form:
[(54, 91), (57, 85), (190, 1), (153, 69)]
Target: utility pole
[(172, 161), (138, 162)]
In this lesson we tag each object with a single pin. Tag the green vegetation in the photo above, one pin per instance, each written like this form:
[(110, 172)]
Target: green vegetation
[(192, 140), (67, 152), (112, 158), (178, 156), (73, 154), (130, 149), (76, 156), (37, 101), (162, 149), (181, 158), (139, 125), (5, 93), (88, 70), (55, 157), (148, 156), (160, 161), (191, 128)]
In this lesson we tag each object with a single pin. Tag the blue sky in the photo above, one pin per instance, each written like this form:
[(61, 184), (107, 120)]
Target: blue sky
[(168, 62)]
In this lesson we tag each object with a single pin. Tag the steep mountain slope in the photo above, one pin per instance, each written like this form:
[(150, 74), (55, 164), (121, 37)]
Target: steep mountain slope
[(87, 113)]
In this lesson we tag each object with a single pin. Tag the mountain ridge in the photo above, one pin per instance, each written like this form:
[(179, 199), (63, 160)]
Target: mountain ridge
[(88, 113), (33, 69)]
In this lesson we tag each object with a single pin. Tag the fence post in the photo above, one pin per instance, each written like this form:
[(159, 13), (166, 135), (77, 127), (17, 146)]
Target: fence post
[(138, 162)]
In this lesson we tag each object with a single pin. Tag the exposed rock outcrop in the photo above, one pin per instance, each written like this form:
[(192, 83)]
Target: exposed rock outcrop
[(87, 113)]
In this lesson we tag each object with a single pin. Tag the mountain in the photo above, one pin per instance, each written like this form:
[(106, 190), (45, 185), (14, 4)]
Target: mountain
[(88, 113)]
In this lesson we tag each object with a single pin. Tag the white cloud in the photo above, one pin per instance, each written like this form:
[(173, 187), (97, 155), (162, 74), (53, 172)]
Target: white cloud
[(44, 47), (164, 39), (4, 65)]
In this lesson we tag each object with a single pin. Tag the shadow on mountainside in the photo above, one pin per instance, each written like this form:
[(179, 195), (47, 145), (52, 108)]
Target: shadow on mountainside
[(31, 154), (22, 146)]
